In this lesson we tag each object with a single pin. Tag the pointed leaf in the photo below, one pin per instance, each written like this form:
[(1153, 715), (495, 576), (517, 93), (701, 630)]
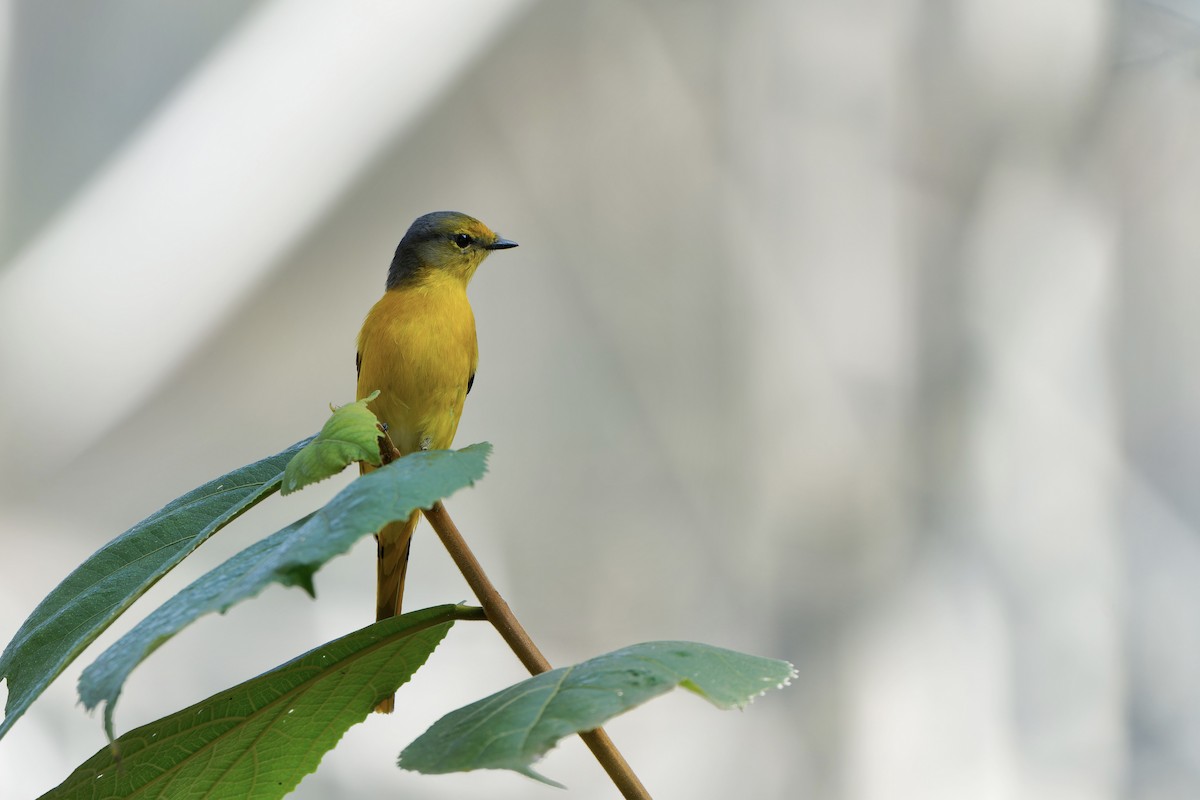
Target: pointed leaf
[(289, 556), (104, 585), (515, 727), (350, 434), (260, 738)]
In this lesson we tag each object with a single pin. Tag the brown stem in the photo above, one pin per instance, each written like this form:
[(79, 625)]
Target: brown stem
[(511, 631), (388, 452)]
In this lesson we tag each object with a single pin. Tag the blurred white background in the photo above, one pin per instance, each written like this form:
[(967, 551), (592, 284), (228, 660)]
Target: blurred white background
[(859, 334)]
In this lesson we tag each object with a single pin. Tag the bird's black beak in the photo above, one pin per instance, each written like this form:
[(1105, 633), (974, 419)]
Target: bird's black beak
[(500, 244)]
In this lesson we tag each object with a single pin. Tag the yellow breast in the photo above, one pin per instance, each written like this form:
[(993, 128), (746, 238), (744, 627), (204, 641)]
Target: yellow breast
[(418, 348)]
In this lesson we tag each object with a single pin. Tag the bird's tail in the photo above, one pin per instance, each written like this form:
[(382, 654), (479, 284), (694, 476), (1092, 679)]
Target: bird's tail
[(394, 541)]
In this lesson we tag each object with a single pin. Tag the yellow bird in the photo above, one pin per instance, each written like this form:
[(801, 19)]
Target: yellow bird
[(418, 348)]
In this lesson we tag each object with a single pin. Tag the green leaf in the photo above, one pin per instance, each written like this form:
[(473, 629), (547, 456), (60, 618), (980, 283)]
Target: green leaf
[(260, 738), (350, 434), (104, 585), (289, 556), (515, 727)]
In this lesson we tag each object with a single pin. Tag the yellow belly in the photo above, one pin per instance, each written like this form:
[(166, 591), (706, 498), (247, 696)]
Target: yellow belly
[(418, 348)]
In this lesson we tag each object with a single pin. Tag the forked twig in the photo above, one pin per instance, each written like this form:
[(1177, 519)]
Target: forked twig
[(511, 630)]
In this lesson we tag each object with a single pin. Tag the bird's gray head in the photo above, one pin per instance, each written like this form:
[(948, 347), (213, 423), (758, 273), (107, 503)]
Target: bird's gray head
[(443, 241)]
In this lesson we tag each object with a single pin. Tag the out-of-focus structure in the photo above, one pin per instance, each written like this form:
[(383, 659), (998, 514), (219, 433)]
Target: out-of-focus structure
[(858, 334)]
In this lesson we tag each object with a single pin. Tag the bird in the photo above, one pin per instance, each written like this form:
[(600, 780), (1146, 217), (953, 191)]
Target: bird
[(419, 349)]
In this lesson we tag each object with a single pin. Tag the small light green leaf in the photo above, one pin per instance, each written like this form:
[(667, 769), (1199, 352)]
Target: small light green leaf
[(289, 556), (260, 738), (101, 588), (350, 434), (515, 727)]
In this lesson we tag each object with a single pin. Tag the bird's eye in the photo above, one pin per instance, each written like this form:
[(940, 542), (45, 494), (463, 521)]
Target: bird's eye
[(463, 240)]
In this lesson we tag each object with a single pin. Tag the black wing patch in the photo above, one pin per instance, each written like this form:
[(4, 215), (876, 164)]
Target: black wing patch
[(358, 364), (470, 382)]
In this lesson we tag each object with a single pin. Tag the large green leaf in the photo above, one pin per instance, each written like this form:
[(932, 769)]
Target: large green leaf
[(515, 727), (104, 585), (260, 738), (289, 557), (350, 434)]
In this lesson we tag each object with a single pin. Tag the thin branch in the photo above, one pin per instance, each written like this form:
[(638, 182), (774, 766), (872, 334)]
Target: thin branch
[(511, 631)]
